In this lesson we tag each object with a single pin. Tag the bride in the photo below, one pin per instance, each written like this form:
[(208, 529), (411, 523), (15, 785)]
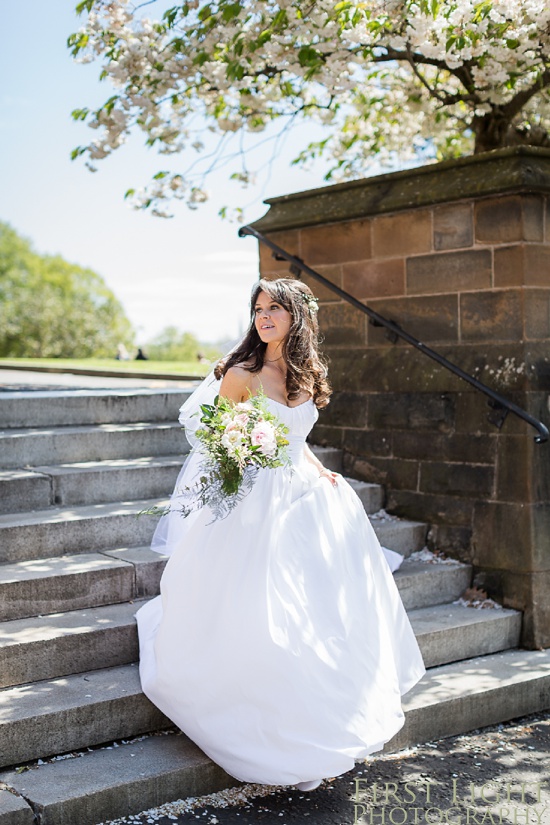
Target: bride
[(279, 643)]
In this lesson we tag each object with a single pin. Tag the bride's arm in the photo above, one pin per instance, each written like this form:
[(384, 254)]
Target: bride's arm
[(317, 464)]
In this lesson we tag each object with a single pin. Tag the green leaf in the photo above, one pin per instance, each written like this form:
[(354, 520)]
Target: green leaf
[(170, 15), (201, 58), (263, 38), (80, 114), (76, 42), (235, 71), (308, 56), (205, 13), (280, 19), (84, 5), (129, 193), (109, 105), (178, 45), (230, 12)]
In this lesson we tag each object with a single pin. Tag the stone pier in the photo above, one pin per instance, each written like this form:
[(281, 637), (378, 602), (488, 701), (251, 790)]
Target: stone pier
[(457, 253)]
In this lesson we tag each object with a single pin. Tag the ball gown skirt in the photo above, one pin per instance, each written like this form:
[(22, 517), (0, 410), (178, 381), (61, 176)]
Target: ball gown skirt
[(279, 643)]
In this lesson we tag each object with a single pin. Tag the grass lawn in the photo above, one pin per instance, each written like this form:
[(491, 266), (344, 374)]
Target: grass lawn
[(176, 367)]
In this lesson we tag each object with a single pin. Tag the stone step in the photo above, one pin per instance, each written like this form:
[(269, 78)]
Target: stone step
[(118, 781), (60, 715), (81, 529), (53, 585), (92, 482), (24, 448), (46, 408), (61, 644), (58, 584), (70, 597), (330, 457), (462, 696), (88, 482), (423, 583), (399, 534), (103, 784), (68, 530), (371, 495), (98, 482), (24, 490), (15, 810), (451, 632), (97, 637)]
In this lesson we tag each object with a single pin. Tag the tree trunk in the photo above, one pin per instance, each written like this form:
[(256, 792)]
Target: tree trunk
[(496, 131)]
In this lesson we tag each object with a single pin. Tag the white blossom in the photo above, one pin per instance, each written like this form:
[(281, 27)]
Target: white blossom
[(387, 79)]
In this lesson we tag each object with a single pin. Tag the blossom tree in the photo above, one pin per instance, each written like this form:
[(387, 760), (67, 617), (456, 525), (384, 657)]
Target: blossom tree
[(387, 78)]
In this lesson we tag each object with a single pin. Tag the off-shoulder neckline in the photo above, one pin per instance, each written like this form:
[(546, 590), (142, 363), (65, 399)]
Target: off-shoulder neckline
[(294, 406)]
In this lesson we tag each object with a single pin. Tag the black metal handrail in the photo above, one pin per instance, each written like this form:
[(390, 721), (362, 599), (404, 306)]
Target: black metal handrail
[(500, 406)]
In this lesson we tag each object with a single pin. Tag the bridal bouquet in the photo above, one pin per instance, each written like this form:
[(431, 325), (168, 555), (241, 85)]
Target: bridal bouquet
[(236, 441)]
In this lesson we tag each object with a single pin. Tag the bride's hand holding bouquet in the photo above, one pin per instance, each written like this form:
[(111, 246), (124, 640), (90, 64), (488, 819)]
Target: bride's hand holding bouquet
[(239, 437), (236, 440)]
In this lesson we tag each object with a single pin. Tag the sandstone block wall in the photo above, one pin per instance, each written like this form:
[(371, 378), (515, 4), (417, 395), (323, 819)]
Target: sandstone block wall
[(468, 274)]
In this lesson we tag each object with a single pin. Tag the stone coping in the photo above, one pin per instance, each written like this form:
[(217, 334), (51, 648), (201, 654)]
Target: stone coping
[(84, 392), (517, 169), (101, 373)]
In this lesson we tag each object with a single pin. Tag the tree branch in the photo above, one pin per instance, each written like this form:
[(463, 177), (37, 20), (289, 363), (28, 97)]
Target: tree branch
[(514, 106), (394, 54), (462, 74), (443, 98)]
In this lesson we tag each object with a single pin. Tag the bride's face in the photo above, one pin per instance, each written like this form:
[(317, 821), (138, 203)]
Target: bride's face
[(272, 320)]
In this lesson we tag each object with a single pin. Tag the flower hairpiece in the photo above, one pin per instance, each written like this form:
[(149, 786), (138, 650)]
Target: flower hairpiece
[(311, 301)]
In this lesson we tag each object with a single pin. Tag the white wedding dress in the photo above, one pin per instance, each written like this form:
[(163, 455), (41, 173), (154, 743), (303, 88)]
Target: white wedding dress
[(279, 643)]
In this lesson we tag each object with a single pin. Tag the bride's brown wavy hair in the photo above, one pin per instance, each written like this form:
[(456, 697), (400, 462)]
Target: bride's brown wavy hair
[(306, 367)]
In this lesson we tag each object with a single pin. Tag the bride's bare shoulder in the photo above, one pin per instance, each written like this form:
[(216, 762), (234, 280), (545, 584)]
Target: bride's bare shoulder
[(240, 372), (236, 383)]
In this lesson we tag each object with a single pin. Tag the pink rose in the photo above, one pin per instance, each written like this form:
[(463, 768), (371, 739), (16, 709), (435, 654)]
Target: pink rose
[(263, 435)]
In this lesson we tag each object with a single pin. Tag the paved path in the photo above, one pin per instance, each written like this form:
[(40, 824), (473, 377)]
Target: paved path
[(15, 381), (506, 767)]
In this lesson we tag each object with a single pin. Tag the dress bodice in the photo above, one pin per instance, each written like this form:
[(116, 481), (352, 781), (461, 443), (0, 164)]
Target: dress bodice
[(299, 420)]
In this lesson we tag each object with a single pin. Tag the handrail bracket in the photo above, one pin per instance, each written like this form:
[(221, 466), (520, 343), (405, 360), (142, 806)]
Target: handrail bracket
[(498, 413)]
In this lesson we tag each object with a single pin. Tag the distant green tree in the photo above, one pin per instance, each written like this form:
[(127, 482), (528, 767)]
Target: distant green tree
[(50, 308), (171, 344)]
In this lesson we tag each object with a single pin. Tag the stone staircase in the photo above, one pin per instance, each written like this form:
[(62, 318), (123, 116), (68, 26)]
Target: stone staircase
[(79, 742)]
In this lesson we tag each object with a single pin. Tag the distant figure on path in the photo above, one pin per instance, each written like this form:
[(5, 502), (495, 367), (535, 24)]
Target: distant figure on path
[(122, 353)]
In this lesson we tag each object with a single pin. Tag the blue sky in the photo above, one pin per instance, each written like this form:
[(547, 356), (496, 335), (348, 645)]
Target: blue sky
[(192, 270)]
